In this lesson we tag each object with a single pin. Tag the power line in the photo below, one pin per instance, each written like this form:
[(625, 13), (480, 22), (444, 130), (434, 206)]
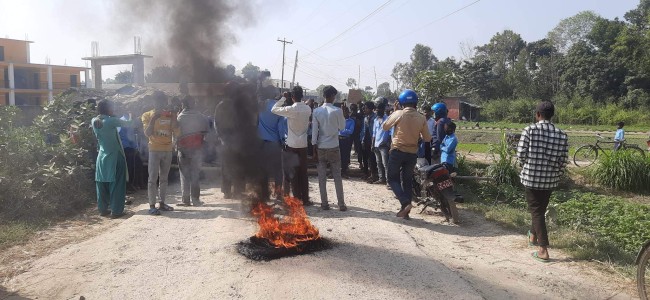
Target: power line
[(411, 32), (355, 24)]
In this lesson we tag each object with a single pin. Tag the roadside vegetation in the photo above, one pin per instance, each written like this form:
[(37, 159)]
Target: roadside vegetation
[(588, 225), (44, 175)]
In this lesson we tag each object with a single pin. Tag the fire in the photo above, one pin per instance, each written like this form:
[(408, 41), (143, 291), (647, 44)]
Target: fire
[(288, 232)]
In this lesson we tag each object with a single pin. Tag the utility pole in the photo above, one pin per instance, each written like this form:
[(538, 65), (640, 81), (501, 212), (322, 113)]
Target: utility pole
[(376, 86), (359, 82), (284, 44), (295, 66)]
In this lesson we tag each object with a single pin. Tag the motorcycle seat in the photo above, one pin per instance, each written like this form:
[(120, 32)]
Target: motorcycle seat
[(426, 170)]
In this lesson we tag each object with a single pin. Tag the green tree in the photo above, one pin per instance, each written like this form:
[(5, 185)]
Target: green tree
[(163, 74), (250, 72), (351, 83), (502, 50), (422, 59), (383, 89), (432, 85), (124, 77), (572, 30)]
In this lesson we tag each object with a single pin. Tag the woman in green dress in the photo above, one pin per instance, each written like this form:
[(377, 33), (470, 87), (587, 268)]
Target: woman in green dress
[(111, 172)]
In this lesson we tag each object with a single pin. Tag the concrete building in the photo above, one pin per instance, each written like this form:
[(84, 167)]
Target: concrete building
[(461, 109), (25, 84)]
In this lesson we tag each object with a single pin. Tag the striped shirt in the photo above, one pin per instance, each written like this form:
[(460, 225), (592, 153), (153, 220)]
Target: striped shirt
[(543, 152)]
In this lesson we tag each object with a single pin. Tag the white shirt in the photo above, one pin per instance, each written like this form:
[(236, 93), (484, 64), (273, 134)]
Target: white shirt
[(327, 121), (297, 120), (431, 124)]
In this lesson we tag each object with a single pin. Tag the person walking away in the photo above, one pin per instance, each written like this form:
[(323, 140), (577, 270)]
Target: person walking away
[(619, 137), (356, 135), (543, 154), (328, 121), (160, 125), (111, 174), (134, 163), (193, 127), (448, 147), (440, 117), (297, 116), (346, 137), (369, 160), (408, 127), (431, 123), (268, 128), (381, 143), (232, 181)]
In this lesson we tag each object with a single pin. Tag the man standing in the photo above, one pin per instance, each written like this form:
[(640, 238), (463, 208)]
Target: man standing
[(298, 124), (226, 123), (440, 111), (268, 128), (328, 120), (346, 137), (369, 161), (408, 126), (159, 126), (543, 154), (431, 123), (110, 171), (381, 143), (193, 128)]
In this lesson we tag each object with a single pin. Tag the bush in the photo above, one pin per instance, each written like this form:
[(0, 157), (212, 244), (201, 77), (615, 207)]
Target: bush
[(42, 172), (622, 170), (504, 164), (612, 219)]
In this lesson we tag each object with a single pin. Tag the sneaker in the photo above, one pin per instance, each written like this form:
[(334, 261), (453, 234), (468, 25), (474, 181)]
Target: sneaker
[(197, 203), (325, 207), (154, 211), (117, 216), (165, 207), (380, 181), (105, 213), (343, 208), (404, 211)]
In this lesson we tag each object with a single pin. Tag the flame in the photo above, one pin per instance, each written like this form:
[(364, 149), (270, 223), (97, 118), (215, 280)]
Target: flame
[(288, 232)]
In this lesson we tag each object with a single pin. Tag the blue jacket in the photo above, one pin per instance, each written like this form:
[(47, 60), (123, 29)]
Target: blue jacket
[(283, 130), (268, 123), (448, 149), (381, 136), (366, 129), (349, 128), (439, 132)]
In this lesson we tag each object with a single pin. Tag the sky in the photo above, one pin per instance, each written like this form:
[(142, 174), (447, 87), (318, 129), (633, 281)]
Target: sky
[(335, 39)]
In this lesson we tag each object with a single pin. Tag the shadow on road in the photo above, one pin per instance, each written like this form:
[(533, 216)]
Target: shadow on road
[(6, 295)]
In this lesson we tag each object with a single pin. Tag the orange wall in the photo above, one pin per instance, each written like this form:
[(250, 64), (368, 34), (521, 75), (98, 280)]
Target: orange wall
[(15, 51)]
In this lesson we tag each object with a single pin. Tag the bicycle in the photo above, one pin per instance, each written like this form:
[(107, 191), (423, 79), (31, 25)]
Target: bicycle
[(586, 155), (643, 271)]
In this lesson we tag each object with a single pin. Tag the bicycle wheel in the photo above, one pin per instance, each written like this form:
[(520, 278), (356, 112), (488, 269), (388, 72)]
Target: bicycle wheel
[(585, 156), (635, 150), (643, 274)]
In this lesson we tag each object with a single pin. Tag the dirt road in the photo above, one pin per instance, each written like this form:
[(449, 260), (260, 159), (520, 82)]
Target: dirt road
[(190, 254)]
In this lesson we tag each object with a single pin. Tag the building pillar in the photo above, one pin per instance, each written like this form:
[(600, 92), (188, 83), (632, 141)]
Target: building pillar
[(87, 79), (12, 85), (50, 96), (138, 71), (97, 75)]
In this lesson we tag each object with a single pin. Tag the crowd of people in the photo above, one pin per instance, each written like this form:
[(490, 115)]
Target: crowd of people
[(275, 142)]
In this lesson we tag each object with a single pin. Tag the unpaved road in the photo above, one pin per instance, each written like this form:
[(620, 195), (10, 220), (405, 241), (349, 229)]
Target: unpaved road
[(190, 254)]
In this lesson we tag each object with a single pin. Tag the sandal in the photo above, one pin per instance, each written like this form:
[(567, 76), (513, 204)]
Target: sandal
[(537, 258), (154, 211), (531, 244), (165, 207)]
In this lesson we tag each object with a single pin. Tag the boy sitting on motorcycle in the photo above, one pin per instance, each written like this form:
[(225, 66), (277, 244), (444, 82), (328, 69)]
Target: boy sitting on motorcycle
[(448, 147)]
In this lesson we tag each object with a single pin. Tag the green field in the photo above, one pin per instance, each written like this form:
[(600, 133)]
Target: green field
[(519, 126), (478, 140)]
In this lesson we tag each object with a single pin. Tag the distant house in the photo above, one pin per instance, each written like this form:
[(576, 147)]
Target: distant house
[(461, 109), (25, 84)]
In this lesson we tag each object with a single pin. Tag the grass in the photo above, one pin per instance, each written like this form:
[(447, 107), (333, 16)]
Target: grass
[(475, 148), (507, 125), (16, 233)]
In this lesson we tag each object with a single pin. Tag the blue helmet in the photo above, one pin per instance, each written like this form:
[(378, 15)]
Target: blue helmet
[(408, 96), (440, 109)]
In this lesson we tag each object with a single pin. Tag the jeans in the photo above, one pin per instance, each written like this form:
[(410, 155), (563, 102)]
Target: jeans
[(159, 164), (381, 154), (189, 163), (136, 168), (271, 168), (300, 181), (369, 161), (427, 152), (332, 157), (401, 165), (230, 173), (537, 204), (346, 150)]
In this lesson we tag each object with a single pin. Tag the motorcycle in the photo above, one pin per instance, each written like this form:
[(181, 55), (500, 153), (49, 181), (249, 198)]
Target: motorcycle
[(433, 187)]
